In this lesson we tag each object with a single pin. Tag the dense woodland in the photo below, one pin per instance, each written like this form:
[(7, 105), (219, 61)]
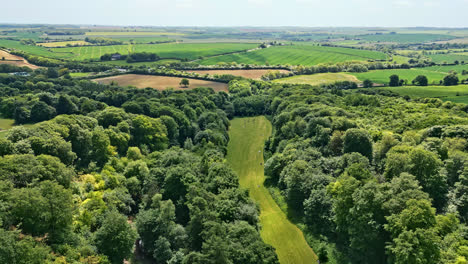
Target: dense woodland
[(100, 170), (111, 165)]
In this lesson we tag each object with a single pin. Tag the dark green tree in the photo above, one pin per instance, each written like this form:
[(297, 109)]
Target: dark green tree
[(358, 140), (115, 238), (394, 80), (421, 80)]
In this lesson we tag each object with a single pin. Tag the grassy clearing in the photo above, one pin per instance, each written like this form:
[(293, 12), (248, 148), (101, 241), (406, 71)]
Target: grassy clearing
[(446, 93), (400, 59), (5, 124), (297, 55), (80, 74), (317, 79), (245, 154), (160, 82), (383, 76)]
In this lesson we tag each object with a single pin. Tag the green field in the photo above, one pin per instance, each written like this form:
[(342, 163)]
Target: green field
[(146, 63), (317, 79), (245, 154), (400, 59), (448, 69), (405, 38), (449, 58), (132, 33), (79, 74), (446, 93), (297, 55), (34, 50), (190, 51), (383, 76), (140, 39), (5, 124)]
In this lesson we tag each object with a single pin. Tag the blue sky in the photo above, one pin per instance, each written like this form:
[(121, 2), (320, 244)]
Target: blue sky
[(313, 13)]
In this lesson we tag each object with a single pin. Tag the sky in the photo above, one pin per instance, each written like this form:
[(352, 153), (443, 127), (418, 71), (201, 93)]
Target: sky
[(308, 13)]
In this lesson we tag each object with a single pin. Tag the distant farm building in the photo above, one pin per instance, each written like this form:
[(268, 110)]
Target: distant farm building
[(116, 56), (24, 74)]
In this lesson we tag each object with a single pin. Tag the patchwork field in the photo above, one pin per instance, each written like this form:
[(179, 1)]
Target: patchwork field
[(245, 154), (317, 79), (449, 58), (383, 76), (447, 69), (297, 55), (63, 43), (147, 63), (160, 82), (189, 51), (406, 38), (132, 33), (34, 50), (252, 74), (457, 94)]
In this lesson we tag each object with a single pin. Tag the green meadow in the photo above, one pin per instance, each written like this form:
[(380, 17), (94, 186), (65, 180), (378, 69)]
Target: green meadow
[(245, 154), (189, 51), (449, 58), (306, 55), (383, 76), (456, 94)]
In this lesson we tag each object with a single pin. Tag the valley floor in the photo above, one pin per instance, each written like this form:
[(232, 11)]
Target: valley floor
[(245, 154)]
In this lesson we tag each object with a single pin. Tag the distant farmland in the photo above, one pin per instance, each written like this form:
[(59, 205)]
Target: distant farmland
[(160, 82), (63, 43), (405, 38), (15, 60), (383, 76), (449, 58), (252, 74), (132, 33), (317, 79), (297, 55), (189, 51), (457, 94)]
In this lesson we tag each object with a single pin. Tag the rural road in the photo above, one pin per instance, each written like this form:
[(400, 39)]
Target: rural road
[(245, 154)]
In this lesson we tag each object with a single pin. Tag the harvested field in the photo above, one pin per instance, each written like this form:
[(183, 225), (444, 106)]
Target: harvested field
[(9, 56), (63, 43), (15, 60), (251, 74), (160, 82)]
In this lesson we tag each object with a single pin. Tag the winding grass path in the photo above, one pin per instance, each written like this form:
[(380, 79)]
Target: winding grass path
[(245, 154)]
